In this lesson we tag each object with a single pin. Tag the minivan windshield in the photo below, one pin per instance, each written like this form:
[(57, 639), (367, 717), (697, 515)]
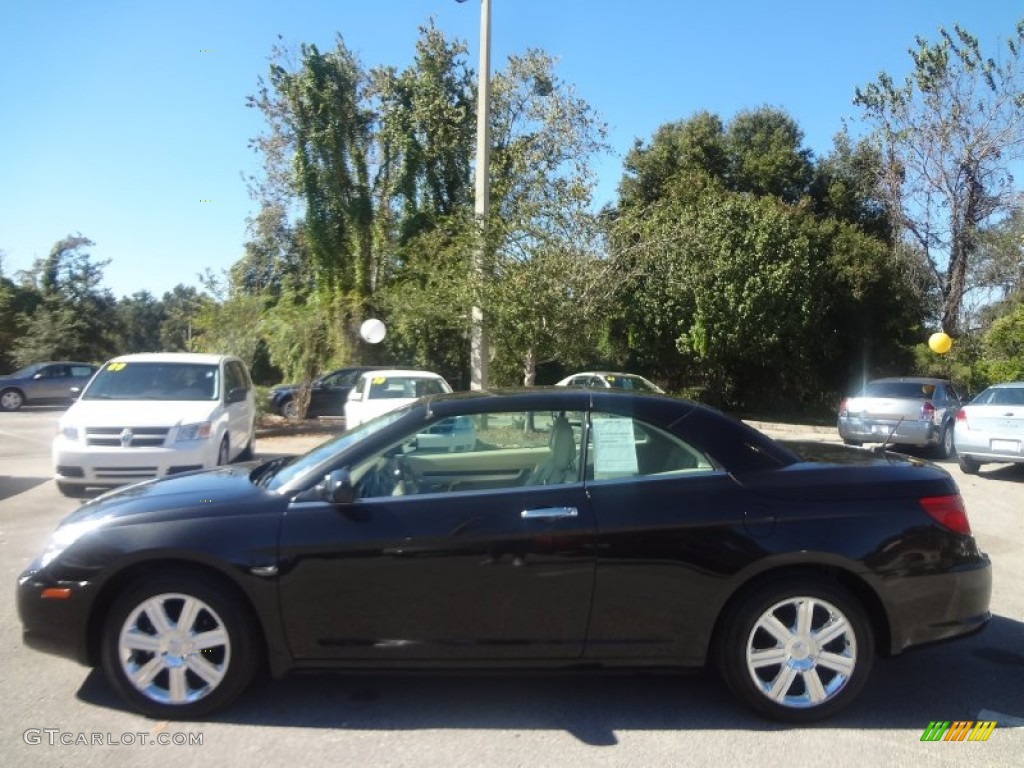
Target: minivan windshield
[(155, 381)]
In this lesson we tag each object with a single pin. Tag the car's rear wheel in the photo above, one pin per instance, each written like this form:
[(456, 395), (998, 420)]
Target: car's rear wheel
[(795, 650), (247, 452), (290, 410), (944, 448), (968, 465), (11, 400), (178, 646)]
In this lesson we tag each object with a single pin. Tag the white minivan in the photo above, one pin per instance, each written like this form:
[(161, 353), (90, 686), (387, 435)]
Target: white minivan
[(151, 415)]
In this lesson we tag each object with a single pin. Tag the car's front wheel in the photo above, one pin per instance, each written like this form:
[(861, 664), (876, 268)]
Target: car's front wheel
[(223, 452), (178, 646), (795, 650), (11, 400)]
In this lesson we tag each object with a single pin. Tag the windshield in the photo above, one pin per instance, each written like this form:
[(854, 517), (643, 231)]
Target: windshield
[(155, 381), (323, 453), (637, 383)]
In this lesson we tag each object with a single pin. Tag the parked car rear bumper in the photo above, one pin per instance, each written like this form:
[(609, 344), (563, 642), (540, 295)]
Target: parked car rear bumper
[(920, 433)]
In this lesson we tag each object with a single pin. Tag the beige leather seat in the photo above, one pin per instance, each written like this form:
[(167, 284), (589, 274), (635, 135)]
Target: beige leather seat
[(560, 466)]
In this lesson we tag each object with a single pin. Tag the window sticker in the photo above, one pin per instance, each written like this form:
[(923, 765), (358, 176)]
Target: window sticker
[(117, 366), (614, 447), (378, 380)]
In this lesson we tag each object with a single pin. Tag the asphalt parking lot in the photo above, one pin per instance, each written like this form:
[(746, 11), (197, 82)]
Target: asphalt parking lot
[(58, 713)]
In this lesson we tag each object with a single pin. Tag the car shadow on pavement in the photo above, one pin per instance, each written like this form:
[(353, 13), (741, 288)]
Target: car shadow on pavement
[(12, 486), (951, 681)]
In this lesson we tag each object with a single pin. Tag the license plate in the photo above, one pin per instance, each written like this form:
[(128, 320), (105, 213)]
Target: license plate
[(880, 429), (1010, 446)]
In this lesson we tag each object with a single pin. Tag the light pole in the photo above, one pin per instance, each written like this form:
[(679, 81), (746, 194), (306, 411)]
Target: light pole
[(478, 346)]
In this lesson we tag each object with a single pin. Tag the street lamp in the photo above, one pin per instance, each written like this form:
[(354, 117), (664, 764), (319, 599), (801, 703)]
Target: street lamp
[(478, 346)]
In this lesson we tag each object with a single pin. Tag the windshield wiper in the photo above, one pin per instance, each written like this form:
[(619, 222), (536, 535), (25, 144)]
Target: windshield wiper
[(264, 472)]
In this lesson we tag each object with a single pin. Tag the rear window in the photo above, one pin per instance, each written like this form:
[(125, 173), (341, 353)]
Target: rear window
[(388, 387), (907, 390), (1001, 396)]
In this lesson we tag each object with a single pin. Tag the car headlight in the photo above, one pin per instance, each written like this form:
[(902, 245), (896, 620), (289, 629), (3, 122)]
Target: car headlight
[(65, 536), (68, 432), (200, 431)]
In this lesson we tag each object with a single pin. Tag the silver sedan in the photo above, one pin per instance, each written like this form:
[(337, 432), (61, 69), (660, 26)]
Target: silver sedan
[(991, 427)]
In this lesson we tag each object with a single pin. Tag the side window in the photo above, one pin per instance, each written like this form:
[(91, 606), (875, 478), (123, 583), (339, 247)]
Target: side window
[(476, 453), (235, 376), (81, 371), (619, 446)]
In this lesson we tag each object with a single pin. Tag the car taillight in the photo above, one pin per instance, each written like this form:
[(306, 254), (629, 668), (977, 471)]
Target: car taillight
[(947, 511), (842, 406), (961, 416), (927, 411)]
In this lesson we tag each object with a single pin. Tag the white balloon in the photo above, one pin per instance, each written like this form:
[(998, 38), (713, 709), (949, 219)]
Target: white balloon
[(373, 331)]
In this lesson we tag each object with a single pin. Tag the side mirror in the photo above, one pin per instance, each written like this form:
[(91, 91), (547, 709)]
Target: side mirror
[(237, 395), (355, 395), (75, 392), (338, 487)]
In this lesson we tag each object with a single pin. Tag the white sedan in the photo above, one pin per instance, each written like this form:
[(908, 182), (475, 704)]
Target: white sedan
[(991, 427), (377, 392), (609, 380)]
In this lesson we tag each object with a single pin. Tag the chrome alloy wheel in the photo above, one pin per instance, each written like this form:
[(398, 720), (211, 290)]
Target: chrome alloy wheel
[(801, 652), (174, 649)]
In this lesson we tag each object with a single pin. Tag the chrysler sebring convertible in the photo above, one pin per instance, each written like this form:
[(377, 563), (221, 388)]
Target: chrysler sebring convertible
[(583, 528)]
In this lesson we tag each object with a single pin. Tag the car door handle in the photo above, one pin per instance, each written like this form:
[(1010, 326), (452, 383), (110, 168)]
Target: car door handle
[(549, 512)]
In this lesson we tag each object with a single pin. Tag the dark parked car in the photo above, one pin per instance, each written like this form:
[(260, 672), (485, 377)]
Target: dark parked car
[(327, 394), (912, 410), (593, 527), (44, 384)]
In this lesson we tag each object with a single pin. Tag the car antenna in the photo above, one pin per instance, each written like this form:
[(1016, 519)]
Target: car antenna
[(888, 440)]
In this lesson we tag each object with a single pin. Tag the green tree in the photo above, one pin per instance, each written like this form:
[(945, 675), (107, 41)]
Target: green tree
[(182, 306), (17, 302), (949, 136), (75, 316), (139, 319)]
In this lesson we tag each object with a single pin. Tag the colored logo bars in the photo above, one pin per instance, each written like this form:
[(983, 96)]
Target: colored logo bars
[(960, 730)]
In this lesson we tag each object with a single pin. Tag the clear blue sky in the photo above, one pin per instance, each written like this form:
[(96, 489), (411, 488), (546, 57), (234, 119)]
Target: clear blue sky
[(114, 123)]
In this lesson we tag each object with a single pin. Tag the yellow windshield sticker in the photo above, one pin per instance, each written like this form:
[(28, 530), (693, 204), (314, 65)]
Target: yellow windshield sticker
[(379, 379), (117, 366)]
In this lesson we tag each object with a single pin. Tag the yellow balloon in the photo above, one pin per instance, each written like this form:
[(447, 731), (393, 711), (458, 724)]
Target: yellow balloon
[(940, 343)]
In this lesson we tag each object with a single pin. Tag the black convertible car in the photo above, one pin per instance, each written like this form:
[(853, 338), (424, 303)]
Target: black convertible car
[(586, 527)]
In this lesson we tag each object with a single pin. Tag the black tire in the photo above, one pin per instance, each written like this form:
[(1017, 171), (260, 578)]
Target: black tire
[(247, 452), (193, 670), (944, 448), (290, 410), (854, 443), (968, 465), (11, 400), (71, 490), (223, 452), (811, 679)]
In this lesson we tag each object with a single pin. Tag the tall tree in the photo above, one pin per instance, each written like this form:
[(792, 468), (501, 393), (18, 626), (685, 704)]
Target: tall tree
[(949, 135), (76, 315), (140, 318)]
